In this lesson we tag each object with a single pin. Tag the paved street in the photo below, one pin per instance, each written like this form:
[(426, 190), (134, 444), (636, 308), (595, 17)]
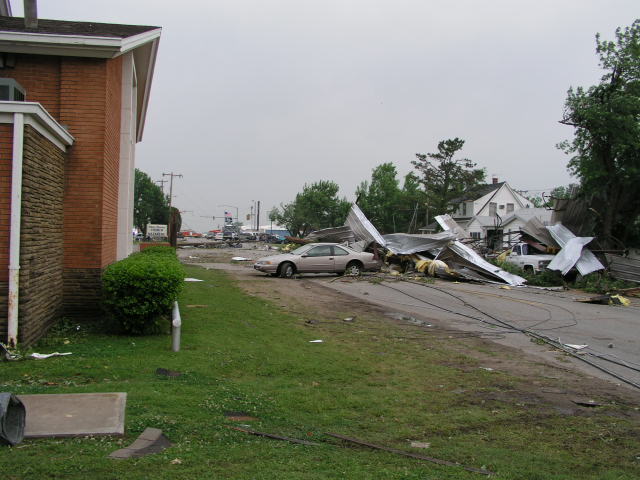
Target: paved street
[(611, 332)]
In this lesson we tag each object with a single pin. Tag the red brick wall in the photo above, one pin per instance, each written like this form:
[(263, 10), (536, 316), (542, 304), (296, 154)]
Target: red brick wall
[(40, 77), (6, 154), (90, 105), (111, 172), (83, 94)]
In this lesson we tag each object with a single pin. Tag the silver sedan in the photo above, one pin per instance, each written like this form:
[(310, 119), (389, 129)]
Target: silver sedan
[(318, 258)]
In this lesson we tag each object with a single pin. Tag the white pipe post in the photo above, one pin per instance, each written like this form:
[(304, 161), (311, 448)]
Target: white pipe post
[(176, 324), (14, 235)]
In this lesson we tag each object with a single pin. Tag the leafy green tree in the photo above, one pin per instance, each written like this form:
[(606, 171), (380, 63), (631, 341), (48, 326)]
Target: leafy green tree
[(317, 206), (380, 199), (413, 206), (445, 177), (547, 201), (605, 150), (150, 205)]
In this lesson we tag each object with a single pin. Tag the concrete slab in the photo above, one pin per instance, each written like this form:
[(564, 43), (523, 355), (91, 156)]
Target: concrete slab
[(74, 415), (152, 440)]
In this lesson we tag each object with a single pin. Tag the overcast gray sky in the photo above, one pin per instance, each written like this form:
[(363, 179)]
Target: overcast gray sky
[(252, 99)]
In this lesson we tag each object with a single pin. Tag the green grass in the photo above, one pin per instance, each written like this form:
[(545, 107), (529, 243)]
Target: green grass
[(370, 379)]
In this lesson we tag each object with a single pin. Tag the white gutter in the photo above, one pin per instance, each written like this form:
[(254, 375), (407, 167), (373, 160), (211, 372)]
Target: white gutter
[(73, 45), (14, 235)]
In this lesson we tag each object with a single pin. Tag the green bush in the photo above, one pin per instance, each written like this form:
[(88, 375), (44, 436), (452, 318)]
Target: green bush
[(139, 291), (600, 282)]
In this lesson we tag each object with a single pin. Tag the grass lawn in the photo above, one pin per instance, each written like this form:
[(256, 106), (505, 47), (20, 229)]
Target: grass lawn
[(367, 380)]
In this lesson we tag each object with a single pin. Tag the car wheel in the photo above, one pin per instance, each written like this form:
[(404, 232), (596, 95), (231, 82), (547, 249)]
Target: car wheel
[(353, 269), (287, 270)]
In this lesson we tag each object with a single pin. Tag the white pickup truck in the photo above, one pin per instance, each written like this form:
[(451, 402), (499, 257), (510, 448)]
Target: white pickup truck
[(528, 262)]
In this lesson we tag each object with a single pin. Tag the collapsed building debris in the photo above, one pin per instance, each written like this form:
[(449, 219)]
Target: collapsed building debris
[(624, 268), (446, 256)]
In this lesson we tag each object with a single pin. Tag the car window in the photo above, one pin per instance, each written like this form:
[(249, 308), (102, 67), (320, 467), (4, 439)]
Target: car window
[(321, 251), (300, 250), (339, 251)]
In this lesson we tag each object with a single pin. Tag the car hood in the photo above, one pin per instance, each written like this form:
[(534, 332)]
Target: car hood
[(278, 258)]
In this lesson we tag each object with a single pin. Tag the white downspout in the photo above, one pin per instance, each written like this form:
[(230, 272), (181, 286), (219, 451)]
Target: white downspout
[(14, 235)]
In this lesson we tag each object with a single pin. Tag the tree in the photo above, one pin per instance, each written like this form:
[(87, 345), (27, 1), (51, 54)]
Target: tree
[(380, 199), (316, 207), (547, 201), (446, 178), (605, 150), (150, 205), (412, 205)]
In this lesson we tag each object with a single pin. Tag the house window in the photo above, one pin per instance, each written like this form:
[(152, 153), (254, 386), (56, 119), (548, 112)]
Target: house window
[(509, 207), (475, 235), (493, 207)]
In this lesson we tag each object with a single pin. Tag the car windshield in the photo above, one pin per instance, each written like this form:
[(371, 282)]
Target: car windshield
[(300, 250)]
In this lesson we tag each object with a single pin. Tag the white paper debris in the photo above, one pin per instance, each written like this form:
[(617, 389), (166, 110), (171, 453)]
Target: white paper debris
[(42, 356), (316, 341), (575, 347), (420, 444), (193, 280)]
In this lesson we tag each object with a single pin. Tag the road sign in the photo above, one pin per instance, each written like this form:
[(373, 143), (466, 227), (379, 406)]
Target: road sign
[(156, 230)]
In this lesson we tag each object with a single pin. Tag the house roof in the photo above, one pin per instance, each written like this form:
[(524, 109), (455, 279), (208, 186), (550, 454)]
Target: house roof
[(478, 192), (66, 27), (526, 214)]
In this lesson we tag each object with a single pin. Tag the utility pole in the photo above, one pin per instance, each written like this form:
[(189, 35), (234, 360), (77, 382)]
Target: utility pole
[(162, 182), (258, 218), (173, 235)]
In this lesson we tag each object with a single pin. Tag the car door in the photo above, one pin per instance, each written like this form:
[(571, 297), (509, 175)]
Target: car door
[(317, 260), (340, 258)]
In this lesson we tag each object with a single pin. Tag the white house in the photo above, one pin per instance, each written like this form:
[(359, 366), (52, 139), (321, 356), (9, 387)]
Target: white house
[(494, 210)]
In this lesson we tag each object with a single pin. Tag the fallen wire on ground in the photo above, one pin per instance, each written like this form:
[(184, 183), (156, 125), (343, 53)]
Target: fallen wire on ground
[(410, 454), (271, 435), (510, 327)]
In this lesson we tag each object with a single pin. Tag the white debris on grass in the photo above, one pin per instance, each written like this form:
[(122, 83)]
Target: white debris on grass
[(193, 280), (42, 356)]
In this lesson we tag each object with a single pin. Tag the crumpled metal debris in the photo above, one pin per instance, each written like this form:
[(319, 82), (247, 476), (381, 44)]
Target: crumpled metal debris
[(406, 244), (362, 228), (448, 224), (474, 267), (573, 252)]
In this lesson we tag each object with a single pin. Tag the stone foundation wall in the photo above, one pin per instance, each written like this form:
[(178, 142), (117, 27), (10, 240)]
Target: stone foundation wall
[(41, 249)]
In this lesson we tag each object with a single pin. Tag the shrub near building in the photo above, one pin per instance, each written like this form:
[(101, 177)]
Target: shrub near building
[(139, 291)]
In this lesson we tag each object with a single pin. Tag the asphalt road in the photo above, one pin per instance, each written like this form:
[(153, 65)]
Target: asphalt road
[(611, 333)]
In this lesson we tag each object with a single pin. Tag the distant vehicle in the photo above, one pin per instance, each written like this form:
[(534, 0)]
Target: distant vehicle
[(218, 236), (318, 258), (534, 263)]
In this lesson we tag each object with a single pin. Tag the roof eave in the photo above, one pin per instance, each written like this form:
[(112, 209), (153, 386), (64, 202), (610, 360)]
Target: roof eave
[(91, 47), (147, 87)]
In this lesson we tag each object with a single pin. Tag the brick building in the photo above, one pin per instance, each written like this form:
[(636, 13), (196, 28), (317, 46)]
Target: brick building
[(74, 100)]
